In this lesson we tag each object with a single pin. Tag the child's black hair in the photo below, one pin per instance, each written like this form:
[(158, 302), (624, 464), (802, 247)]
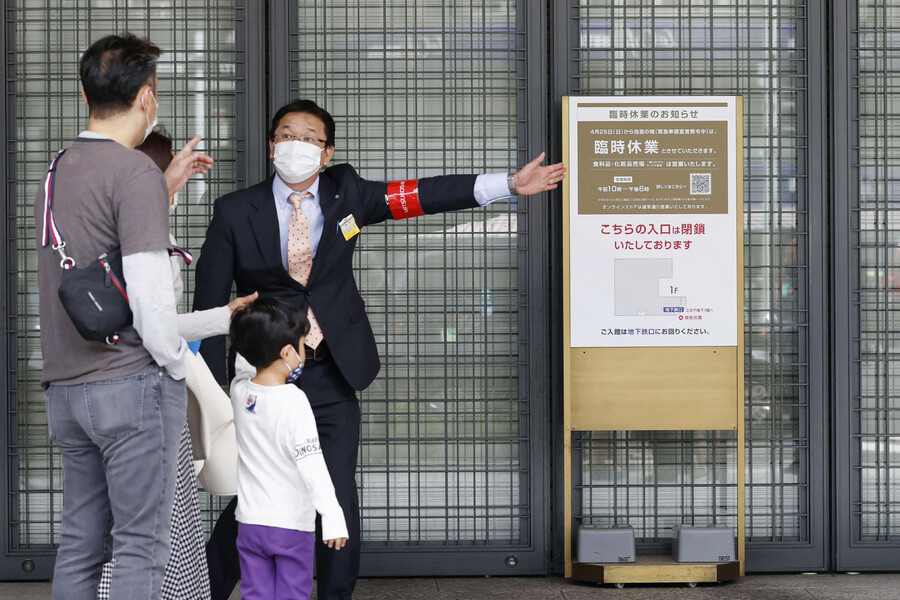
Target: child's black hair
[(264, 327)]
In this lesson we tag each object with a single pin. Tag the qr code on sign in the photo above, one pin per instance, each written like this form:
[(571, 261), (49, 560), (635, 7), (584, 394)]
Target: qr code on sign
[(701, 184)]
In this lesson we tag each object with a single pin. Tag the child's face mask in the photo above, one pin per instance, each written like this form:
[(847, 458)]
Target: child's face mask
[(294, 374)]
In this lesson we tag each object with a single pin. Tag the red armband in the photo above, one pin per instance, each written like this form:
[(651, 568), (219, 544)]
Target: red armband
[(403, 199)]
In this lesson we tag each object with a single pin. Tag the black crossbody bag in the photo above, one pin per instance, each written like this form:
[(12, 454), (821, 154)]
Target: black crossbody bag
[(94, 297)]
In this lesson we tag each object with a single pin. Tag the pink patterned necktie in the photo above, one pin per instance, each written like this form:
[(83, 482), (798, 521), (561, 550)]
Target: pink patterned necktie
[(300, 260)]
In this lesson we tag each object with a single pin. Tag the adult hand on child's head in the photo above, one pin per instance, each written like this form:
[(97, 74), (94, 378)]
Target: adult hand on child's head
[(241, 302), (336, 543)]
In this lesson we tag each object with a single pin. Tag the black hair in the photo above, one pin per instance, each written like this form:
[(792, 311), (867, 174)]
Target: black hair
[(264, 327), (158, 146), (114, 69), (309, 107)]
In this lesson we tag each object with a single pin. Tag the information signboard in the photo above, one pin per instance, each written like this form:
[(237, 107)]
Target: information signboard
[(653, 199)]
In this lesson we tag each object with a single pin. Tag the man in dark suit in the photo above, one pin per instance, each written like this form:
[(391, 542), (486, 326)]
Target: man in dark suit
[(260, 241)]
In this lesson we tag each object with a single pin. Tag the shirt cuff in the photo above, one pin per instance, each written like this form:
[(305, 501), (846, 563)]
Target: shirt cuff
[(334, 527), (490, 187)]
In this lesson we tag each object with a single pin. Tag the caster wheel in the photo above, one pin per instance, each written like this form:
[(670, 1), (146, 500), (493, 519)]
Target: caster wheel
[(620, 585), (692, 584)]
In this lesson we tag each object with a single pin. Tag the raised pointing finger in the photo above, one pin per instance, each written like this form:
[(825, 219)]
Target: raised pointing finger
[(189, 147)]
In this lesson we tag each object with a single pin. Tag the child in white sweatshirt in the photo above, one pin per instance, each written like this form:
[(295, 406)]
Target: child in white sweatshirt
[(282, 478)]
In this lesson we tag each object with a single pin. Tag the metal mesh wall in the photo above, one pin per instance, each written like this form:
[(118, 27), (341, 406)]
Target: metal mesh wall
[(421, 88), (754, 48), (199, 80), (656, 480), (875, 426)]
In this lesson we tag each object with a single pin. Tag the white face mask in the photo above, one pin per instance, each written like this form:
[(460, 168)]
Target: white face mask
[(296, 161), (174, 203), (150, 125)]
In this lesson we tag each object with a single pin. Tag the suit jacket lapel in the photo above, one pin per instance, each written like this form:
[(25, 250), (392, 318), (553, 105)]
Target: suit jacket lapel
[(328, 201), (264, 222)]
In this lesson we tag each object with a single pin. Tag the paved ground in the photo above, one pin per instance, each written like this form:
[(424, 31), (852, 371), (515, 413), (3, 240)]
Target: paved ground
[(762, 587)]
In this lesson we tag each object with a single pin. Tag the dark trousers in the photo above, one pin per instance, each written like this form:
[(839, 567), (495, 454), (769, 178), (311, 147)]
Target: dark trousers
[(337, 415)]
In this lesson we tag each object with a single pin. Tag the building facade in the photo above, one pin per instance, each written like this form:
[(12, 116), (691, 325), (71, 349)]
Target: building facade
[(461, 444)]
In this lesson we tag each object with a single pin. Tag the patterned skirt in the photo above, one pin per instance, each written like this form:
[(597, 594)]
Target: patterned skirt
[(187, 577)]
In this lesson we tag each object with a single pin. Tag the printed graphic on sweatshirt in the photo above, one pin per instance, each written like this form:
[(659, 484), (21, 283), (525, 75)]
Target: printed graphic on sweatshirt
[(307, 448), (251, 403)]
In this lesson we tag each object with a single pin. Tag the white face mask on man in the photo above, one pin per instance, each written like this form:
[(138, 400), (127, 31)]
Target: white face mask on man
[(296, 161), (150, 125)]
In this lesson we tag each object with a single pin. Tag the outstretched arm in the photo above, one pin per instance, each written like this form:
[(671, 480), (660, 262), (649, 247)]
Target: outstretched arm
[(429, 195), (201, 324)]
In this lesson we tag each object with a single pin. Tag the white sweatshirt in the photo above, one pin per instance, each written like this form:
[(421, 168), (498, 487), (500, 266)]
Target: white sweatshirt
[(282, 477)]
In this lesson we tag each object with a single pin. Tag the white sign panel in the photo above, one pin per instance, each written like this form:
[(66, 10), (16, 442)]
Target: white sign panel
[(653, 221)]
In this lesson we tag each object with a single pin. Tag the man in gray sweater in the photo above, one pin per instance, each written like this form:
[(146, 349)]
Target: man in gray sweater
[(114, 411)]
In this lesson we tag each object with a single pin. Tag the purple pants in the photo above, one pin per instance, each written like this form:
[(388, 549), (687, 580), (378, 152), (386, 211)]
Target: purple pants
[(276, 563)]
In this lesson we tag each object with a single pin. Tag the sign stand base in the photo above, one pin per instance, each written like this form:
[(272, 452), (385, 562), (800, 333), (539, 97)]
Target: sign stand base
[(656, 569)]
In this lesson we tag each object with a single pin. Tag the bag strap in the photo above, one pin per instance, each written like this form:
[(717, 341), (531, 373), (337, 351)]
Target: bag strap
[(183, 253), (50, 233)]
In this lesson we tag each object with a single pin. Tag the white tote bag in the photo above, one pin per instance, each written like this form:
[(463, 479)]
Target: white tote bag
[(211, 424)]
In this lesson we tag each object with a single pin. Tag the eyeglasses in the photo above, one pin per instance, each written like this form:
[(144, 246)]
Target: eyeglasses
[(287, 137)]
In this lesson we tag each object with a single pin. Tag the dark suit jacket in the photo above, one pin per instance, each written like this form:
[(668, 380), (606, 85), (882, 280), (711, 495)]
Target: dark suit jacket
[(243, 245)]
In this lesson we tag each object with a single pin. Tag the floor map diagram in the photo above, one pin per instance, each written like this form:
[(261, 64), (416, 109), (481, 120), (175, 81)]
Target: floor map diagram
[(637, 288)]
